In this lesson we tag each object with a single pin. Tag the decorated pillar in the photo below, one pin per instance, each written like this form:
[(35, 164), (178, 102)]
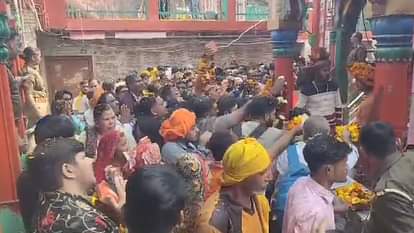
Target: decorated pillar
[(285, 21), (347, 13), (392, 26), (285, 48), (9, 156), (393, 71), (316, 22)]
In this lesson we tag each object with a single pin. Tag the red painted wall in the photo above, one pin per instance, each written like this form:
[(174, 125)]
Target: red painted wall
[(55, 18), (9, 156), (393, 79)]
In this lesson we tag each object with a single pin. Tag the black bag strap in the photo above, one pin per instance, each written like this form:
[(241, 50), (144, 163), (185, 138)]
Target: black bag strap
[(237, 130), (258, 131)]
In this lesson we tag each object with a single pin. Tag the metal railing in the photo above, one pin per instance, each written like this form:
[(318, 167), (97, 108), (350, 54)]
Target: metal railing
[(193, 10), (353, 107), (136, 9), (252, 10)]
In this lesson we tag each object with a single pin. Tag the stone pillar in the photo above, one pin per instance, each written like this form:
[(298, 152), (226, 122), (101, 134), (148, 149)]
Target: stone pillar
[(393, 72), (285, 48)]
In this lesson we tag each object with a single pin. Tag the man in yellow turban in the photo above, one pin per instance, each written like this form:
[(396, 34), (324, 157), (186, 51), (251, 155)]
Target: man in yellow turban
[(240, 205)]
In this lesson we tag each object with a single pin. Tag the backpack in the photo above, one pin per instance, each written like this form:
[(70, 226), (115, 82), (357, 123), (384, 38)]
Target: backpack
[(296, 170)]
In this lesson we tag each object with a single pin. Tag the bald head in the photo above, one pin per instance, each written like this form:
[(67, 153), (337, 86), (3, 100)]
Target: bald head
[(315, 125)]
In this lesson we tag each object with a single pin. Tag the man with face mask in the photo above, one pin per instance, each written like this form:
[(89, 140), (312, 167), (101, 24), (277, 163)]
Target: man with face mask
[(239, 207), (310, 200)]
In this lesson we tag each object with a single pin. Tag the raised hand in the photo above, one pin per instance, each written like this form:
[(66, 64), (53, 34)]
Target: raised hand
[(125, 115)]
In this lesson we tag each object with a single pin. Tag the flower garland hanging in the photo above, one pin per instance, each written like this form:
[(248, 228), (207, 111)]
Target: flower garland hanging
[(354, 130), (297, 121), (363, 72), (267, 90)]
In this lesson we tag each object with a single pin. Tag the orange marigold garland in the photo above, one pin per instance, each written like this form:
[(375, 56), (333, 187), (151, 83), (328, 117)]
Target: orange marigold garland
[(297, 121), (363, 72), (355, 194), (267, 90), (205, 72), (353, 129)]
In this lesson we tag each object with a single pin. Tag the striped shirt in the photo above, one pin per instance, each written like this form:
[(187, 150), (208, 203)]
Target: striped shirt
[(321, 99)]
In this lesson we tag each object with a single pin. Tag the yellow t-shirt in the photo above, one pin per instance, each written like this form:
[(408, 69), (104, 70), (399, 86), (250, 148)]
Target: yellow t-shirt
[(256, 223), (260, 218)]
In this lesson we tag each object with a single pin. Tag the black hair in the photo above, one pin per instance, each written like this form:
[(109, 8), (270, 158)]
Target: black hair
[(108, 85), (144, 75), (152, 88), (118, 90), (174, 70), (92, 79), (323, 54), (219, 143), (298, 112), (148, 126), (324, 149), (165, 92), (260, 106), (143, 108), (103, 99), (59, 108), (130, 78), (226, 104), (241, 102), (201, 106), (83, 82), (155, 197), (99, 110), (53, 126), (44, 173), (59, 94), (28, 53), (378, 139)]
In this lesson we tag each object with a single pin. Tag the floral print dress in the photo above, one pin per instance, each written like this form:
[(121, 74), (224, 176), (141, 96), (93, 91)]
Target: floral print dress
[(66, 213)]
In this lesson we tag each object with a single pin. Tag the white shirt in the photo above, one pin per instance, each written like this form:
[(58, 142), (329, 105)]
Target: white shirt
[(322, 104)]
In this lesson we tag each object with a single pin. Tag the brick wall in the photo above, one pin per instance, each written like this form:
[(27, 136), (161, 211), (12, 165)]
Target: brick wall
[(114, 58)]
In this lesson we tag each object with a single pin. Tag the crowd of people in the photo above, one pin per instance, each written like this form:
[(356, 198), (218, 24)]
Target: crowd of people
[(202, 150)]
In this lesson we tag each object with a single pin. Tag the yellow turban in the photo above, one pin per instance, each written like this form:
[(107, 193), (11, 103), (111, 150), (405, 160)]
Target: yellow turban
[(243, 159)]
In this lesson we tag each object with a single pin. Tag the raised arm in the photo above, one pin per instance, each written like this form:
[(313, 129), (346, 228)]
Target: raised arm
[(230, 120), (283, 142)]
